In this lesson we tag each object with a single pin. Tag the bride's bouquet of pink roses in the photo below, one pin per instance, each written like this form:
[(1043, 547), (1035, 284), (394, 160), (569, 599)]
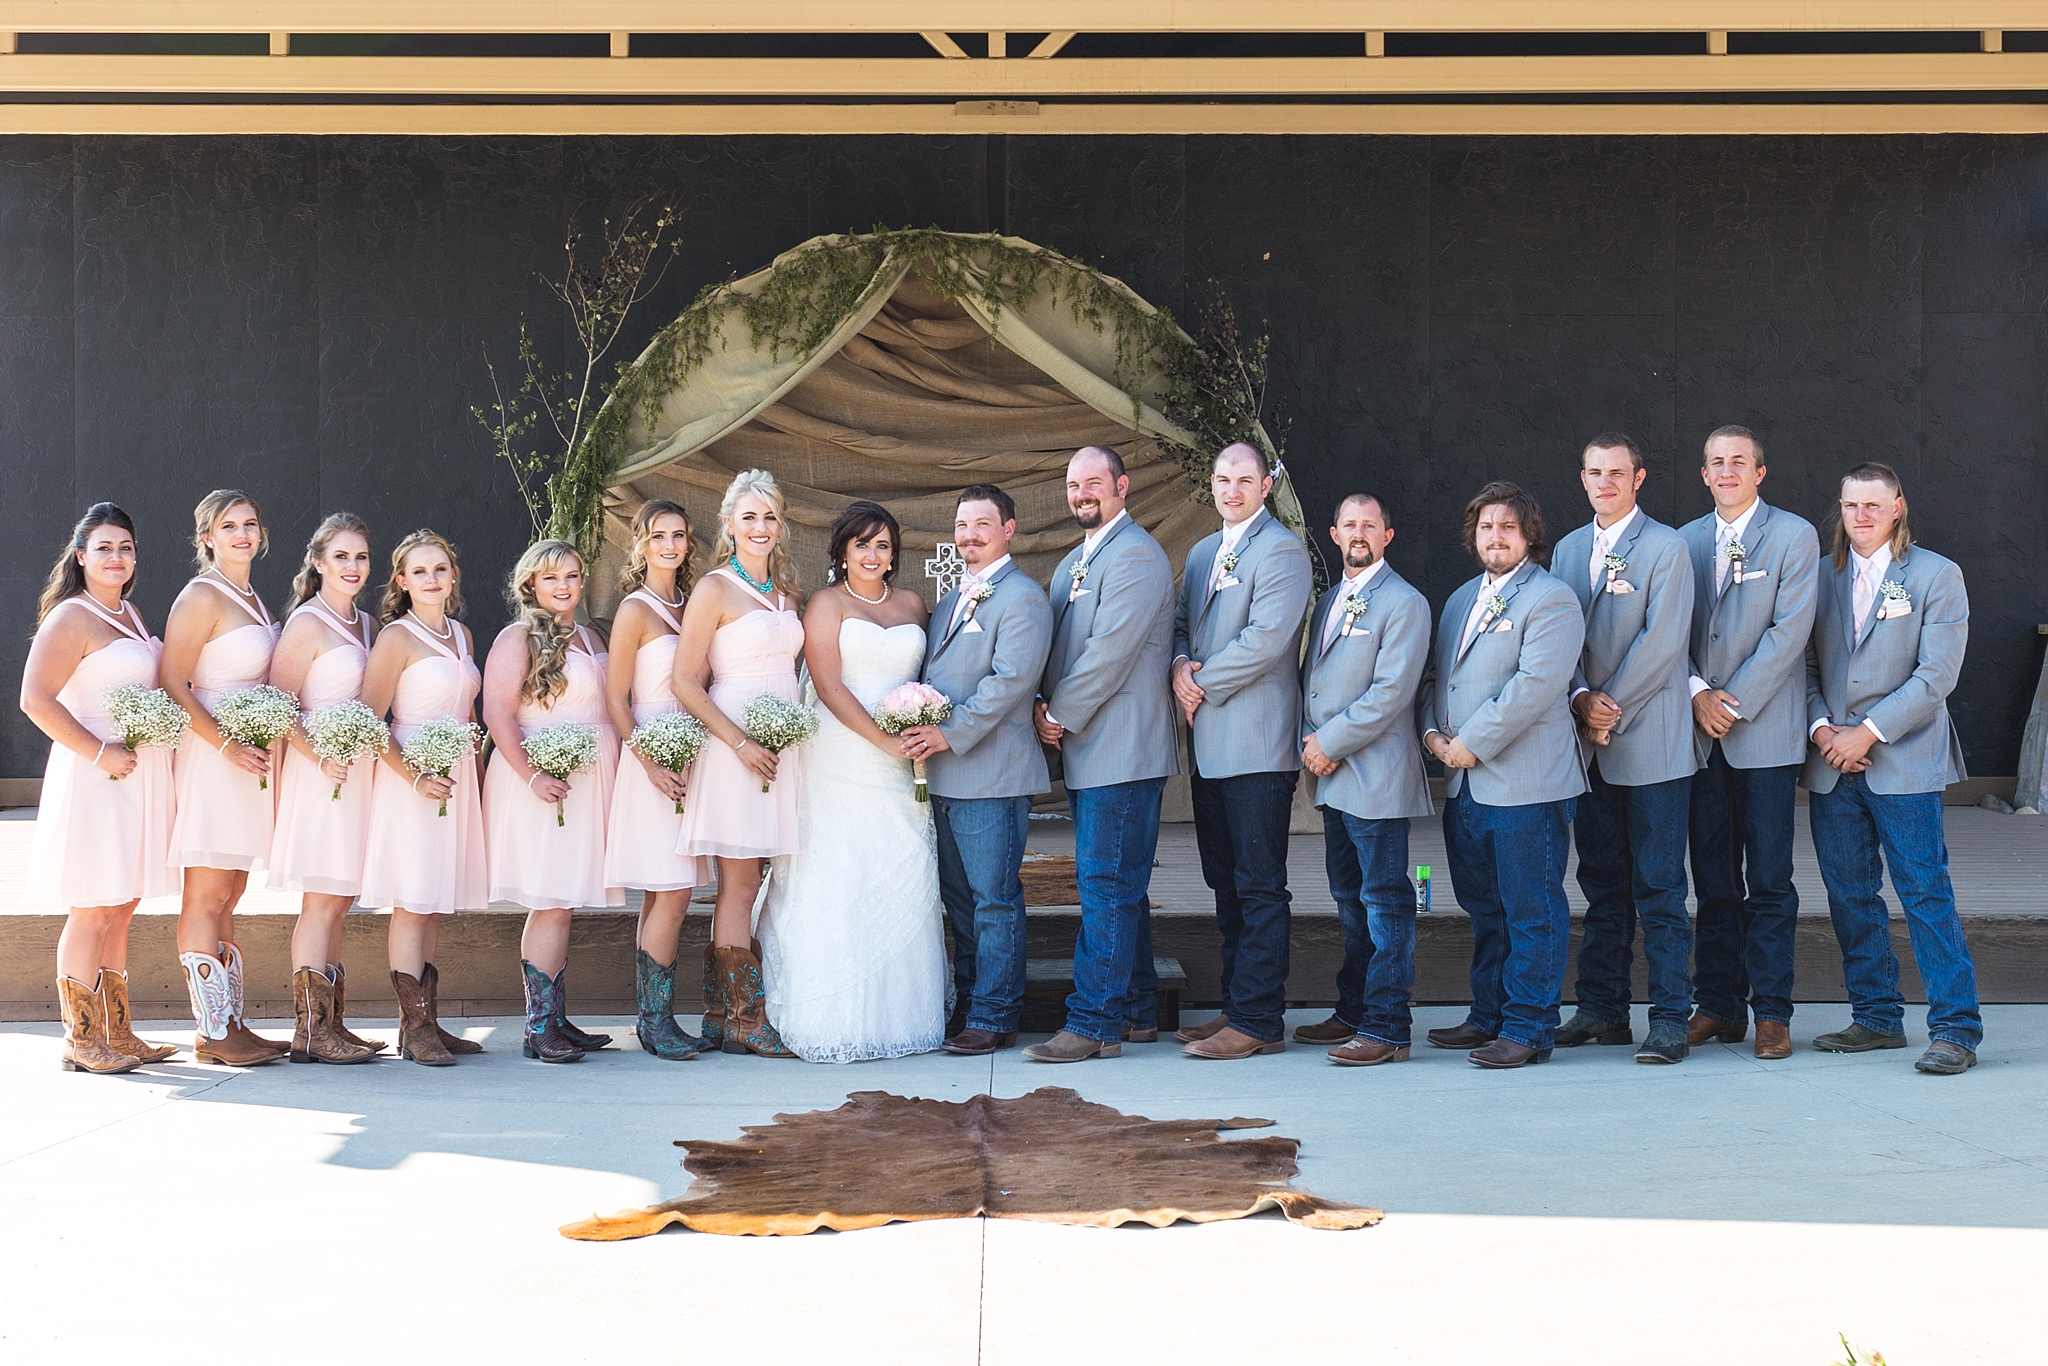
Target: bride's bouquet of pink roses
[(913, 704)]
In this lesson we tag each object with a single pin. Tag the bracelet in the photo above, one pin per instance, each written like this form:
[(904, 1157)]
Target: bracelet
[(416, 781), (96, 758), (741, 745), (225, 742), (529, 779)]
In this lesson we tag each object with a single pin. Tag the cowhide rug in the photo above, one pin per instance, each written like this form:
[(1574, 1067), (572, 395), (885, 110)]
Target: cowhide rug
[(1049, 1156)]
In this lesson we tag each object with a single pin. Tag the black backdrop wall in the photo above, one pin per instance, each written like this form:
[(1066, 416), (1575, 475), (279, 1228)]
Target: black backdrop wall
[(302, 317)]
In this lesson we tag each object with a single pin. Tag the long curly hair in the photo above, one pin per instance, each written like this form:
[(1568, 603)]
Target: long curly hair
[(547, 639), (306, 585), (67, 575), (211, 509), (634, 577), (762, 485), (397, 600)]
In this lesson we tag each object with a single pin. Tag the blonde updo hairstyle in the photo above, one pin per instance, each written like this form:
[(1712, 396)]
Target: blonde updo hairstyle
[(211, 509), (397, 599), (307, 584), (547, 639), (762, 485), (634, 577)]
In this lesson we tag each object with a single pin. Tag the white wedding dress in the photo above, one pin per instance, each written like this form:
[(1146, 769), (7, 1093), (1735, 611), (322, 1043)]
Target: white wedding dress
[(852, 938)]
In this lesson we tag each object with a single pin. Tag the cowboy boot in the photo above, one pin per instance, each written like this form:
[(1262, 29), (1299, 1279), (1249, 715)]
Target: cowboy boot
[(654, 990), (206, 979), (315, 1039), (238, 1021), (121, 1026), (454, 1043), (746, 1005), (543, 1035), (714, 1001), (86, 1049), (589, 1043), (339, 976), (419, 1038)]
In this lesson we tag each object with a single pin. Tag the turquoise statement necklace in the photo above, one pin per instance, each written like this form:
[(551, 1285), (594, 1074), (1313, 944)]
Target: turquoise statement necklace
[(764, 589)]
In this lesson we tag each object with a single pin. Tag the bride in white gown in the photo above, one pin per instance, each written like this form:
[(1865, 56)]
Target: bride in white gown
[(852, 944)]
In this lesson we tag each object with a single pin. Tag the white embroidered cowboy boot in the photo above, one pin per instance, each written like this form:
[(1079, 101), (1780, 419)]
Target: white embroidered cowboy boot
[(206, 978), (238, 1022)]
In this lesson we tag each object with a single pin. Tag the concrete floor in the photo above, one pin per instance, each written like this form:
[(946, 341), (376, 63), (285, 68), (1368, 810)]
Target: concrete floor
[(1587, 1211)]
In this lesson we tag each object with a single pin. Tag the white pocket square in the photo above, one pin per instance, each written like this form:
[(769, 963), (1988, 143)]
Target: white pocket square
[(1227, 581), (972, 628), (1505, 625), (1620, 586), (1894, 609), (1078, 592)]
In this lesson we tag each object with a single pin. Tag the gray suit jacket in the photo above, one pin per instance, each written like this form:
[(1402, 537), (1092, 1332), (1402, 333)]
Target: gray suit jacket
[(1508, 694), (1750, 639), (1636, 649), (1247, 638), (1358, 700), (992, 676), (1896, 672), (1109, 679)]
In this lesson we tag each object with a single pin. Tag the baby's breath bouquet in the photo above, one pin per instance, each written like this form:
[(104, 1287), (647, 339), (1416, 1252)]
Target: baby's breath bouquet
[(343, 732), (146, 716), (672, 739), (560, 750), (438, 746), (776, 723), (255, 717), (914, 704)]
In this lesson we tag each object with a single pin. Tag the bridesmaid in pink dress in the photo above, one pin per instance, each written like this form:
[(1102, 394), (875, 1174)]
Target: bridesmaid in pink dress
[(640, 845), (741, 625), (546, 834), (219, 638), (100, 845), (420, 863), (323, 818)]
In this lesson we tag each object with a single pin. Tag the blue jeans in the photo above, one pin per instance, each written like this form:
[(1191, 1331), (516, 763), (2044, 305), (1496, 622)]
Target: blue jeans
[(1241, 830), (1116, 833), (1850, 826), (1368, 866), (1507, 871), (1632, 865), (981, 848), (1741, 834)]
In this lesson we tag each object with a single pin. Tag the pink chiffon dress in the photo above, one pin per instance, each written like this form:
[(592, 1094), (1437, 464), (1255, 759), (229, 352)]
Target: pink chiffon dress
[(225, 813), (319, 840), (640, 845), (99, 842), (727, 814), (416, 859), (536, 861)]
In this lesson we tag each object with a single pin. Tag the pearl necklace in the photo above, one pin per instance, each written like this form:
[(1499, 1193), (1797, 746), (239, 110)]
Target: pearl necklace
[(352, 622), (675, 606), (248, 593), (847, 584), (448, 635)]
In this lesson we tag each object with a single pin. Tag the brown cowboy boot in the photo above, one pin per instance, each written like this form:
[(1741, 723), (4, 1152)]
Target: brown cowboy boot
[(713, 1028), (85, 1031), (453, 1042), (339, 976), (747, 1029), (121, 1026), (419, 1034), (206, 979), (315, 1038)]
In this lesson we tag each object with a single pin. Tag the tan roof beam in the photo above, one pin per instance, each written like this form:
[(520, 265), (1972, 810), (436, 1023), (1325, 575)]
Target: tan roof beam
[(1015, 16), (1051, 43), (797, 78), (943, 44)]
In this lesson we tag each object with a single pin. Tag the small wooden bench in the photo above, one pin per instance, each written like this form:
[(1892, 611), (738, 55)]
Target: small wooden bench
[(1049, 981)]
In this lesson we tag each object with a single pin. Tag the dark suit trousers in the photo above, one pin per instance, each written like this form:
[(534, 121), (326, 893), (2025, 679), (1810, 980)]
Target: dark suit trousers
[(1507, 870), (1241, 830), (1741, 831), (1632, 865)]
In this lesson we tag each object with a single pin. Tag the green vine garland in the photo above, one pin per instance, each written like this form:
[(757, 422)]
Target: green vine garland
[(1214, 393)]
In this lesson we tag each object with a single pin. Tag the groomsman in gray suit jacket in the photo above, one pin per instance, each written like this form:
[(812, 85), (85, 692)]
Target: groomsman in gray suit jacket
[(1754, 570), (1106, 705), (1635, 585), (1888, 645), (1496, 712), (986, 652), (1236, 641), (1368, 644)]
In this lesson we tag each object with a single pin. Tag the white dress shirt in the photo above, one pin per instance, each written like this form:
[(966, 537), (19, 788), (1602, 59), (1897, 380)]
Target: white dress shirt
[(1233, 537), (1604, 541), (963, 602), (1354, 584), (1724, 532), (1869, 574)]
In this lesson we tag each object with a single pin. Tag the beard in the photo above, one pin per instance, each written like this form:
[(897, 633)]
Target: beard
[(1088, 516), (1360, 557)]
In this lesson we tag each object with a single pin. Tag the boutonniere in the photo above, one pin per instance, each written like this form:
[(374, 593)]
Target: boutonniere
[(1354, 608), (977, 594), (1614, 565), (1738, 555), (1893, 600), (1496, 608), (1078, 572), (1228, 560)]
